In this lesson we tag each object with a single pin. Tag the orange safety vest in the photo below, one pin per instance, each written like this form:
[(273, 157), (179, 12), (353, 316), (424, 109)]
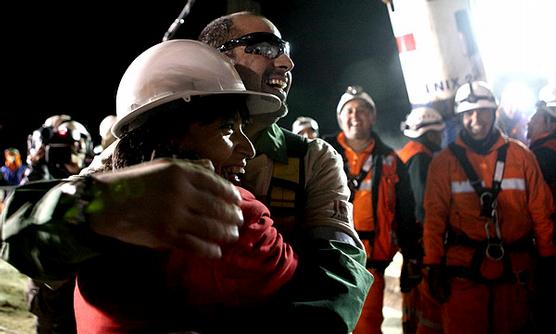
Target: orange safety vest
[(374, 203), (411, 149), (524, 206)]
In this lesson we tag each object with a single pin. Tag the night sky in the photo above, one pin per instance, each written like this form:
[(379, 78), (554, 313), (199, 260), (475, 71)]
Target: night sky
[(68, 58)]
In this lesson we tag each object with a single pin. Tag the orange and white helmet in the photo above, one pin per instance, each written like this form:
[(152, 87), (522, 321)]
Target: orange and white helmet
[(421, 120), (179, 69), (474, 95)]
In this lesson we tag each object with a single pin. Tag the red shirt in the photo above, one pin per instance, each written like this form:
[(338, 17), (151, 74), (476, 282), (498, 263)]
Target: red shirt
[(250, 270)]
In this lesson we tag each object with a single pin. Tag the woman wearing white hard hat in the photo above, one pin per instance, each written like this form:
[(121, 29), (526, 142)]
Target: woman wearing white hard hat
[(181, 99)]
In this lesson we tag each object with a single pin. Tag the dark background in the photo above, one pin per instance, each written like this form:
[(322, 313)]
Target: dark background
[(68, 58)]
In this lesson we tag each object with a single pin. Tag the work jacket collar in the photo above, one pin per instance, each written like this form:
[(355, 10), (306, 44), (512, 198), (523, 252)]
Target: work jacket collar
[(542, 138), (432, 147), (341, 138), (483, 147), (272, 142)]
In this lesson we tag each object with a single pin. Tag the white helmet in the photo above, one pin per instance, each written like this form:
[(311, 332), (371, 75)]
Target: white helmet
[(474, 95), (179, 69), (60, 141), (105, 131), (352, 93), (302, 123), (421, 120), (105, 127), (548, 95), (54, 121)]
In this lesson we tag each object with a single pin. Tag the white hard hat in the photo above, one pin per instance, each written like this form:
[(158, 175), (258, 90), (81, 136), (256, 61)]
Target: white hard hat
[(547, 94), (179, 69), (75, 129), (105, 127), (474, 95), (352, 93), (55, 120), (421, 120), (302, 123)]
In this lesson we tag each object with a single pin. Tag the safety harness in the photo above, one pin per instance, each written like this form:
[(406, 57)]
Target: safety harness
[(493, 247), (373, 164)]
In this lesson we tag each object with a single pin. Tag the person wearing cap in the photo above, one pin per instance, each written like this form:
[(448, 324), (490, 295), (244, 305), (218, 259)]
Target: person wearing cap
[(423, 126), (487, 217), (383, 205), (541, 133), (306, 127)]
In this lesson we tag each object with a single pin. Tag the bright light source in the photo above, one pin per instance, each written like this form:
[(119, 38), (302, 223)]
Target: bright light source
[(516, 37), (517, 97)]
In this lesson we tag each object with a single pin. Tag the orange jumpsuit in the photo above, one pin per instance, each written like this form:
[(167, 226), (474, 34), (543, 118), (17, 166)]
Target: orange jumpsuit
[(383, 216), (544, 148), (524, 205), (421, 313)]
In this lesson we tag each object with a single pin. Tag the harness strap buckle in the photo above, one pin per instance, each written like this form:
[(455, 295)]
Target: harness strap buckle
[(353, 183), (495, 251), (487, 200)]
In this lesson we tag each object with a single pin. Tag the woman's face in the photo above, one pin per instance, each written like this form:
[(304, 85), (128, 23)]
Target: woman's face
[(223, 142)]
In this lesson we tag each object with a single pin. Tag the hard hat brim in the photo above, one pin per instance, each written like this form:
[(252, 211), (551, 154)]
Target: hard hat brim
[(419, 132), (257, 104), (480, 104)]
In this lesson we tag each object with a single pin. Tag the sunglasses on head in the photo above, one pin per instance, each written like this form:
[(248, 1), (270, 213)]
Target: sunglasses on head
[(260, 43)]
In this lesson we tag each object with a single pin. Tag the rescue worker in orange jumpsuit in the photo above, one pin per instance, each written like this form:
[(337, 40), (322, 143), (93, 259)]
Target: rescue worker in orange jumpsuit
[(541, 132), (383, 206), (487, 216), (423, 126)]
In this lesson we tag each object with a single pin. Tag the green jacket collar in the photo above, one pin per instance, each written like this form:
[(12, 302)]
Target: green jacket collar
[(272, 142)]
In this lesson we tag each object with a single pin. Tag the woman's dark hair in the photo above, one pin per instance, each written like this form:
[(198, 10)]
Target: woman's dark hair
[(164, 125)]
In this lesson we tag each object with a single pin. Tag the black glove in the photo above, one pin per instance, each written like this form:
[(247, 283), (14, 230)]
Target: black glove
[(410, 275), (439, 283)]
